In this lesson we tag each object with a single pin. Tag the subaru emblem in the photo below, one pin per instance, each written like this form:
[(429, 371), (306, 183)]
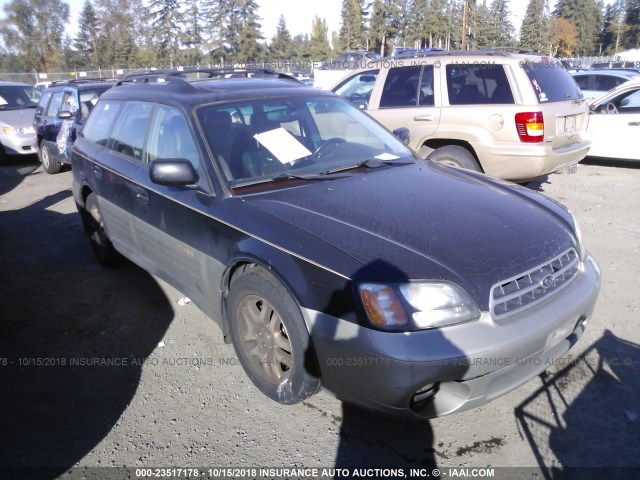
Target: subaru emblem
[(547, 281)]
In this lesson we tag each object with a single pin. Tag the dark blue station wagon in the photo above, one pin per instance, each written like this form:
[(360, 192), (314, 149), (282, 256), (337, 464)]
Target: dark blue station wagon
[(328, 254)]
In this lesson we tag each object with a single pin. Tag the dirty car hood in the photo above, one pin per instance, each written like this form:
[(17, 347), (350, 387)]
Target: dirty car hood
[(426, 221)]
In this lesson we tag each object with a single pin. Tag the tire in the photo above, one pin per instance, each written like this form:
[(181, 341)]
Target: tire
[(49, 164), (455, 156), (269, 336), (102, 247)]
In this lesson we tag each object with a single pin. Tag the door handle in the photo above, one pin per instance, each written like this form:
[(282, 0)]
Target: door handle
[(141, 194), (634, 124), (423, 118), (97, 172)]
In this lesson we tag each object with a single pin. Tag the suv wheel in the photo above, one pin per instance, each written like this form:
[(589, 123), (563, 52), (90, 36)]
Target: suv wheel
[(270, 337), (49, 165), (455, 156)]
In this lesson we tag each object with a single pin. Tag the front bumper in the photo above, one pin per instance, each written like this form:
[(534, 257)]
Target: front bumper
[(469, 364), (21, 144)]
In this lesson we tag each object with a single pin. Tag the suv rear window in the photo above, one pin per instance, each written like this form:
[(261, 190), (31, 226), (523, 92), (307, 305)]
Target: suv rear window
[(551, 82)]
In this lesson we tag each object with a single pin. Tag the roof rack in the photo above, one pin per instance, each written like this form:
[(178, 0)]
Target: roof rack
[(185, 76), (78, 81)]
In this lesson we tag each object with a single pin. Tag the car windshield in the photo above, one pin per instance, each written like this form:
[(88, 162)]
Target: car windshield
[(16, 97), (265, 140)]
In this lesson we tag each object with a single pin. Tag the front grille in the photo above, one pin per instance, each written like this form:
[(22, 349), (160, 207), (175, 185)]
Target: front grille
[(529, 288)]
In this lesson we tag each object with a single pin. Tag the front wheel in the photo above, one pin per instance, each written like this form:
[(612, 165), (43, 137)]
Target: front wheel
[(269, 335), (455, 156), (49, 164)]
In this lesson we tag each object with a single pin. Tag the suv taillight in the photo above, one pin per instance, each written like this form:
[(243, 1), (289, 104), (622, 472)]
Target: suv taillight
[(530, 127)]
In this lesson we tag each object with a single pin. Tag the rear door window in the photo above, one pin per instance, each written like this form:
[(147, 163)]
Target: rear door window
[(604, 83), (482, 84), (551, 82), (129, 133), (99, 125), (584, 81)]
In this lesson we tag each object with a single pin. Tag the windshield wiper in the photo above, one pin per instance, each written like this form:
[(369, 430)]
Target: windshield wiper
[(369, 163), (289, 176), (376, 162)]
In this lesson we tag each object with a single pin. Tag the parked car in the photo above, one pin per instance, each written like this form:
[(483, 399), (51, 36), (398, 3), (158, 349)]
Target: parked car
[(510, 116), (17, 104), (594, 83), (615, 122), (349, 60), (62, 110), (327, 252)]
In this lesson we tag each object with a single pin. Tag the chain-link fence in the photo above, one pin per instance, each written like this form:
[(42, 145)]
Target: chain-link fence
[(32, 78)]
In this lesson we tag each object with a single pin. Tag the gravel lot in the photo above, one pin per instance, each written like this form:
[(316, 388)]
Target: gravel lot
[(175, 395)]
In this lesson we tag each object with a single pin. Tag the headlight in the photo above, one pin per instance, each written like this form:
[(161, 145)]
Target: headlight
[(417, 306), (17, 131)]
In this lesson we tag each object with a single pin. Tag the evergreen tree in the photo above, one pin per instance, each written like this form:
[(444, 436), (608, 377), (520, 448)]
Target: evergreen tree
[(248, 47), (534, 32), (318, 48), (384, 24), (34, 31), (587, 17), (215, 15), (192, 37), (631, 37), (86, 41), (165, 19), (281, 43), (121, 31), (480, 25), (351, 31), (299, 45), (500, 30), (418, 23)]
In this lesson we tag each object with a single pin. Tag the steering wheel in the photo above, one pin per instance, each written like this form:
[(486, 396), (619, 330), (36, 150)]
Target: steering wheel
[(612, 109), (324, 150)]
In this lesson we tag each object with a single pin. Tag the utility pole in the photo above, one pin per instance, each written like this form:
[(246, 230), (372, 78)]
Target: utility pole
[(465, 14)]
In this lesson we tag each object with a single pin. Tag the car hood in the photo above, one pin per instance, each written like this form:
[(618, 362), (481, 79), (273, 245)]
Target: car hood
[(17, 118), (427, 221)]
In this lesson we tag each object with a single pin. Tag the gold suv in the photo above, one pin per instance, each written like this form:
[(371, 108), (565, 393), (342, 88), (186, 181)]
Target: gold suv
[(512, 116)]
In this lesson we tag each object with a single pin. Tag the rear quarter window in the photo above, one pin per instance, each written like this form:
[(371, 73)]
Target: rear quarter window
[(551, 82)]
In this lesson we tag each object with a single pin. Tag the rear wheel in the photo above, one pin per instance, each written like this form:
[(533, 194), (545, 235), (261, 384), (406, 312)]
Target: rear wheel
[(269, 336), (455, 156), (102, 247), (49, 164)]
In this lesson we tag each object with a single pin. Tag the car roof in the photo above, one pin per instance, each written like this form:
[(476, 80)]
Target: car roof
[(609, 72), (631, 84), (6, 83), (80, 84), (174, 88)]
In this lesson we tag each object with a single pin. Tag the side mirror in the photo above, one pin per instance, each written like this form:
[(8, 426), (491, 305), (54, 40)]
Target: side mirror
[(65, 115), (173, 172), (403, 135)]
